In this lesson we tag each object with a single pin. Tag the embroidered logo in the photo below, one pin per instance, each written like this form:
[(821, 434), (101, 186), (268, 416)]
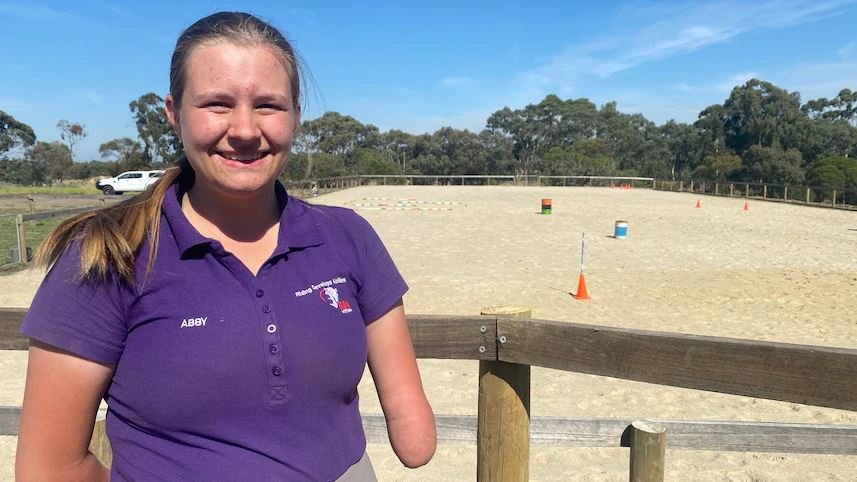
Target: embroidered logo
[(330, 296), (328, 293)]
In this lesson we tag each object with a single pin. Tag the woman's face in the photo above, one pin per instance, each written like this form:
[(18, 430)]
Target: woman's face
[(236, 119)]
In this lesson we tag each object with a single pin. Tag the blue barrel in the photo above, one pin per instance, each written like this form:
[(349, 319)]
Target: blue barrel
[(621, 231)]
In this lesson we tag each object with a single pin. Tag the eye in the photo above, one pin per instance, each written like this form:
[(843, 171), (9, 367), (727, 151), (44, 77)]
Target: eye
[(271, 107), (216, 106)]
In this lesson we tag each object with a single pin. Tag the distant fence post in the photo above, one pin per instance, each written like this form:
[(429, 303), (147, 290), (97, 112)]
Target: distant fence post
[(503, 421), (22, 239), (648, 450)]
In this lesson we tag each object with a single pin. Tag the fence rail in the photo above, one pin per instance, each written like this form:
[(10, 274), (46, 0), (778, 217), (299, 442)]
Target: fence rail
[(809, 195), (814, 375)]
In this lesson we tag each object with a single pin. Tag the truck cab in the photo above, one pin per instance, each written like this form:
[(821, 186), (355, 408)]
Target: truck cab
[(129, 181)]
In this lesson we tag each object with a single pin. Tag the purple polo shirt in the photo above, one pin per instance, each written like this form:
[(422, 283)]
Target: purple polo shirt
[(222, 375)]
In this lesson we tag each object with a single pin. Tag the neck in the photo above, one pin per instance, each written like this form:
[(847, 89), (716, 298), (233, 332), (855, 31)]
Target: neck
[(245, 219)]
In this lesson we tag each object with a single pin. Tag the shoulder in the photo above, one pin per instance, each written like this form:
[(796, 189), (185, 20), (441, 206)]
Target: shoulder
[(332, 219)]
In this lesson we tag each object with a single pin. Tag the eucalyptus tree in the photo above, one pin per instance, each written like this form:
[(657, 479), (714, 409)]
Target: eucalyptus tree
[(125, 152), (160, 143), (71, 133), (14, 133)]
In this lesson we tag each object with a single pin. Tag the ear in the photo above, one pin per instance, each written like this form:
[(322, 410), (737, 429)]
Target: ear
[(172, 111)]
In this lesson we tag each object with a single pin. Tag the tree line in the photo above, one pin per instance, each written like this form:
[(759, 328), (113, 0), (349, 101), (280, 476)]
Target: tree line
[(760, 133)]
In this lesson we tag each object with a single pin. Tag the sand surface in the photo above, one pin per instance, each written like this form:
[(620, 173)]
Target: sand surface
[(776, 272)]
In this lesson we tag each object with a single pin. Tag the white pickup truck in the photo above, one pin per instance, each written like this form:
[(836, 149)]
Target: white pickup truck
[(128, 181)]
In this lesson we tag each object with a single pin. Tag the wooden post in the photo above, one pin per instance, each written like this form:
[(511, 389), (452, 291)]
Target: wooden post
[(765, 191), (648, 450), (716, 188), (681, 185), (32, 204), (785, 193), (22, 239), (503, 422), (99, 445), (731, 189), (834, 197), (807, 195)]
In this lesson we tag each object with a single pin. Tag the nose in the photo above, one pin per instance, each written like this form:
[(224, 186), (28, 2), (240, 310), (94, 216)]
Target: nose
[(243, 126)]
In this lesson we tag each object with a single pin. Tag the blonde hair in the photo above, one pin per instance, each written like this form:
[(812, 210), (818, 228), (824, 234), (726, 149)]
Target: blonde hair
[(110, 238)]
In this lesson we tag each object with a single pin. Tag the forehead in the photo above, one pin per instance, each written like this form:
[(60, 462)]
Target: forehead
[(226, 63)]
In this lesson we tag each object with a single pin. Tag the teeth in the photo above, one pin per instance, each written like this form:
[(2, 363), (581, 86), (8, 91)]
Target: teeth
[(243, 157)]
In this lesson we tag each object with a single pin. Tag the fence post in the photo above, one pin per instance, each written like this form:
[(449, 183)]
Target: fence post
[(503, 421), (765, 191), (716, 188), (807, 195), (22, 239), (681, 185), (648, 450), (731, 189), (785, 193), (834, 197), (32, 204)]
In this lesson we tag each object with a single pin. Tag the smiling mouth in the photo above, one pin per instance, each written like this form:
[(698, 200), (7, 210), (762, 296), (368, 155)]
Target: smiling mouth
[(243, 157)]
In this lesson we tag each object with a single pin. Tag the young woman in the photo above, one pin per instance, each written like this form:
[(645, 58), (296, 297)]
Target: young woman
[(225, 323)]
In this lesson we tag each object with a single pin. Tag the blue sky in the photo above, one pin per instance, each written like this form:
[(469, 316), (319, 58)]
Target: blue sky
[(418, 66)]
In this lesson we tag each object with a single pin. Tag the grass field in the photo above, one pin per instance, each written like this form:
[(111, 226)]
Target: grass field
[(68, 188), (35, 232)]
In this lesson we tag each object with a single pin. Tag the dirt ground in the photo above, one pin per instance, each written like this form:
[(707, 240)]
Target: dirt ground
[(776, 272)]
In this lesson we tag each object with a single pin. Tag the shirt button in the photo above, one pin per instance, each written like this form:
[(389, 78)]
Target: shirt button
[(260, 293), (272, 328), (266, 308), (277, 371), (274, 349)]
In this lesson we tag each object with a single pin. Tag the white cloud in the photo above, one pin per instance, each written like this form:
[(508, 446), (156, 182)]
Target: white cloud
[(726, 85), (652, 33), (848, 50), (37, 12), (682, 87), (119, 11), (821, 79)]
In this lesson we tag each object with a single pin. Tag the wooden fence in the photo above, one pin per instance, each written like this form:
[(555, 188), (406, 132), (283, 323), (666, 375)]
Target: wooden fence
[(809, 195), (813, 375)]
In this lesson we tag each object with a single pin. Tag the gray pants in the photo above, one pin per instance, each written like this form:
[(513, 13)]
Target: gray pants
[(361, 471)]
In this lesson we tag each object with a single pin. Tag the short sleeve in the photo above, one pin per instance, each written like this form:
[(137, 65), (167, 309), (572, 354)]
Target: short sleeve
[(82, 316), (381, 284)]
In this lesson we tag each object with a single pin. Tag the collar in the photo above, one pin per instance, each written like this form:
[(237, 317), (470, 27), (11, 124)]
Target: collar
[(298, 230)]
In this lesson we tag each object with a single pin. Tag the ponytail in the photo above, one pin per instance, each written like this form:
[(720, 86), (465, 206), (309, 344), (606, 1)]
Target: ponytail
[(110, 238)]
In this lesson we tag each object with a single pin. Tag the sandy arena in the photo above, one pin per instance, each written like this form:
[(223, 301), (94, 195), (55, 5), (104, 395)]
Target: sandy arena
[(775, 272)]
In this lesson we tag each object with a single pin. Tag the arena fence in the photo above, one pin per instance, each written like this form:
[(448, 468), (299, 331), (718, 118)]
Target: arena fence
[(507, 345), (809, 195), (22, 233)]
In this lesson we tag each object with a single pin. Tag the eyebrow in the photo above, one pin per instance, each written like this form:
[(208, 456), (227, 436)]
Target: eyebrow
[(217, 94)]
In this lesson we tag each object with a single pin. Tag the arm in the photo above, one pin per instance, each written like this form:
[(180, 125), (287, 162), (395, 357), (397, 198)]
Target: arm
[(60, 402), (410, 421)]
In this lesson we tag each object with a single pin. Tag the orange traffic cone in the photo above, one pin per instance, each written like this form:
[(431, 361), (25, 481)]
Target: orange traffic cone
[(698, 204), (746, 205), (581, 294)]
